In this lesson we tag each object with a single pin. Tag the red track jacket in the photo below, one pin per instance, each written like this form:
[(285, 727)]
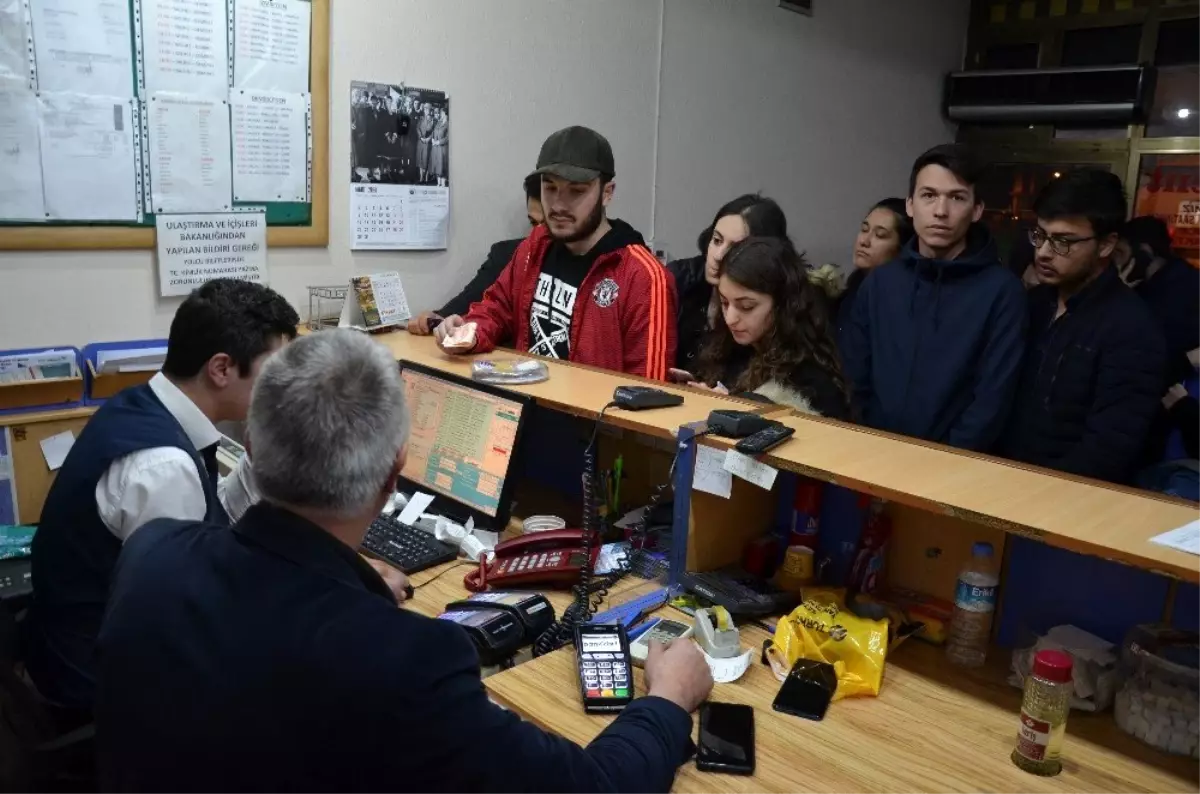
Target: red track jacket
[(624, 318)]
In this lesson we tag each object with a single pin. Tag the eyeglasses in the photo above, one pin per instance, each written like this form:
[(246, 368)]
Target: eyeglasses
[(1059, 245)]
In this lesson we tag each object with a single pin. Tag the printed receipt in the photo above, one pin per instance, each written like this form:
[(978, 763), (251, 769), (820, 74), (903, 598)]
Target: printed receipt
[(731, 669)]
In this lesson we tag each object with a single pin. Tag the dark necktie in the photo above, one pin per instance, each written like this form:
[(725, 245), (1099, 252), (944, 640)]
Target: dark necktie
[(209, 454)]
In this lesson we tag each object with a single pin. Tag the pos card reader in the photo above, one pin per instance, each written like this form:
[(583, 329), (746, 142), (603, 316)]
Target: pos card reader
[(497, 634), (532, 610)]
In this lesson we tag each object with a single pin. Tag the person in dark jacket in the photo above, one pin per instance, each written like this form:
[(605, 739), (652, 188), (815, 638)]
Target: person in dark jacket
[(933, 347), (1092, 379), (498, 258), (271, 657), (1183, 408), (881, 237), (775, 340), (749, 215), (1169, 286)]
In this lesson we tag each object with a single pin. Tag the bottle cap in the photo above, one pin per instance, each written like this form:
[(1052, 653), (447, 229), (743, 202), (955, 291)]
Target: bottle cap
[(982, 549), (1053, 666)]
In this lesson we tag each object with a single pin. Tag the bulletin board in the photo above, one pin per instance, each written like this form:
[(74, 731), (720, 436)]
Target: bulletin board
[(289, 224)]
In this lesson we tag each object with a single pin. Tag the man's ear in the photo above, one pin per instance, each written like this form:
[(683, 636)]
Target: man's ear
[(908, 204), (609, 190), (1108, 244), (393, 479), (977, 213), (221, 369)]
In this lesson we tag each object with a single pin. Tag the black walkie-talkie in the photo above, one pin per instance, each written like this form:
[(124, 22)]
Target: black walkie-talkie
[(640, 398)]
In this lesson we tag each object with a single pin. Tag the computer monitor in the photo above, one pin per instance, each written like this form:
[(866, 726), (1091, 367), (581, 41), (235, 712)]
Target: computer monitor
[(462, 439)]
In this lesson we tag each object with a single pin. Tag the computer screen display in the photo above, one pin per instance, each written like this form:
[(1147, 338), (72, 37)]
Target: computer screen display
[(462, 440)]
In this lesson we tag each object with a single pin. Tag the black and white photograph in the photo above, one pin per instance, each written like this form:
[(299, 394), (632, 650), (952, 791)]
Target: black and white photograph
[(399, 135)]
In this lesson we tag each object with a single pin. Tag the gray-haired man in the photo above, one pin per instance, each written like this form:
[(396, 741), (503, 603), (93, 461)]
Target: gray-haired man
[(271, 657)]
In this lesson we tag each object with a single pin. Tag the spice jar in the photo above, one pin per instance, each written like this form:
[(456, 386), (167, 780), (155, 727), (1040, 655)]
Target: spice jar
[(1044, 712)]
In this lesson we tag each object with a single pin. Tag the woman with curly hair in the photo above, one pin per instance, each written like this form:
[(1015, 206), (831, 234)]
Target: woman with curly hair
[(776, 341)]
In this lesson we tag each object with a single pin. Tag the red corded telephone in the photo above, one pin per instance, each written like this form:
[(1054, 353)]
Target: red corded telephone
[(540, 558)]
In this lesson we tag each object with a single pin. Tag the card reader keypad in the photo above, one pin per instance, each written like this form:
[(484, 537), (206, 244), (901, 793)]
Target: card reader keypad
[(605, 675)]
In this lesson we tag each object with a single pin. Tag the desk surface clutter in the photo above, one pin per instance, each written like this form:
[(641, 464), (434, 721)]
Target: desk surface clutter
[(932, 728)]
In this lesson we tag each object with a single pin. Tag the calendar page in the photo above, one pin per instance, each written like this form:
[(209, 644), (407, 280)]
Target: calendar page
[(398, 216)]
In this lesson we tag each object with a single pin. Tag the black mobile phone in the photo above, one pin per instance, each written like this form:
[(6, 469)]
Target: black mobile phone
[(807, 690), (726, 739)]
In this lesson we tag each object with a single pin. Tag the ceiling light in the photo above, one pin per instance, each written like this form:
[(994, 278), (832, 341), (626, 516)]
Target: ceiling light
[(1183, 113), (1057, 174)]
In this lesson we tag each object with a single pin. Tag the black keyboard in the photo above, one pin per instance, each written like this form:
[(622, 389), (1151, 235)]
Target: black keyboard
[(743, 594), (408, 548)]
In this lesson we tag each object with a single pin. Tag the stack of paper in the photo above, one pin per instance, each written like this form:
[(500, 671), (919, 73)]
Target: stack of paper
[(142, 359), (17, 367)]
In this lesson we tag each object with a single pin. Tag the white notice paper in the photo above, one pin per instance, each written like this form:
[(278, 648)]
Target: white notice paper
[(710, 475), (193, 249), (415, 508), (271, 44), (83, 46), (14, 61), (1185, 538), (190, 169), (384, 216), (750, 469), (56, 447), (270, 146), (20, 157), (88, 157), (186, 46)]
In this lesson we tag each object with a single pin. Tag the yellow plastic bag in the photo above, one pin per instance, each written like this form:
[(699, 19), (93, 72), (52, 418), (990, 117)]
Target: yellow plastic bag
[(821, 629)]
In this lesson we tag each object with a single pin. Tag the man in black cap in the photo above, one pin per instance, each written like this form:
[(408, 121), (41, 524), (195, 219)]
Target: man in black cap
[(581, 287)]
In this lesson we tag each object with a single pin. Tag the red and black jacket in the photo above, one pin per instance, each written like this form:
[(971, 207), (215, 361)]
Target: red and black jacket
[(624, 318)]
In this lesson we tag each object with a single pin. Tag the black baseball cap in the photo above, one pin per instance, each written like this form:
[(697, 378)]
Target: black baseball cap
[(576, 154)]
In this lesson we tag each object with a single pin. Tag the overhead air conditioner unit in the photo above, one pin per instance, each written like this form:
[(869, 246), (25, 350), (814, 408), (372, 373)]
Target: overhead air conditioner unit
[(1085, 95)]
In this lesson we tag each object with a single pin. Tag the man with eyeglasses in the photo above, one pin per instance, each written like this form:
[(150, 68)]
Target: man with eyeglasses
[(1092, 378)]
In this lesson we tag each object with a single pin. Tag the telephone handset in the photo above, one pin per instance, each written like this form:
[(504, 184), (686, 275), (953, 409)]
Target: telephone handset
[(552, 558)]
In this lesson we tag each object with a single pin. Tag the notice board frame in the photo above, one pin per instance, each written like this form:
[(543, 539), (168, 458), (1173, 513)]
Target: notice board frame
[(87, 236)]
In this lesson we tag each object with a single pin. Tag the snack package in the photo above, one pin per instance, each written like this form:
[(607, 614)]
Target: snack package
[(823, 630), (463, 338)]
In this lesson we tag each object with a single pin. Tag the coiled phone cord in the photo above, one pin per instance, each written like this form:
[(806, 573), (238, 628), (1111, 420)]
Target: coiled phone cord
[(586, 600)]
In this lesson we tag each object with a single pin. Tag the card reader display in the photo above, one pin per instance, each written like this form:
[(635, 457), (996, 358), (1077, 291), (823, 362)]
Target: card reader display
[(605, 667)]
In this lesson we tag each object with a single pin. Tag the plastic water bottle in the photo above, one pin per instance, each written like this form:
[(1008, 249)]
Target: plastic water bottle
[(974, 605)]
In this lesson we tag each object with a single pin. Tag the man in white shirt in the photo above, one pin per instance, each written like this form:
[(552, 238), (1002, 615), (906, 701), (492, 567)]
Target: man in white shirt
[(148, 453)]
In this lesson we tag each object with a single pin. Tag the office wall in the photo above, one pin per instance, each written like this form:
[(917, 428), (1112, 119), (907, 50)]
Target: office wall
[(823, 113)]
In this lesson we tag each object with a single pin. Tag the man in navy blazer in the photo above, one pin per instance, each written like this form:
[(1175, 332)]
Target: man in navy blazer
[(272, 657)]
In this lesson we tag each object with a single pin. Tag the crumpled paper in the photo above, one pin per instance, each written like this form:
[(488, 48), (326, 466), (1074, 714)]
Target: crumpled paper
[(1094, 672)]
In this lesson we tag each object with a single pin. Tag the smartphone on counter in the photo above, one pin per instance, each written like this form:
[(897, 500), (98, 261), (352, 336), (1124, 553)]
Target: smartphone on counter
[(807, 690), (726, 739)]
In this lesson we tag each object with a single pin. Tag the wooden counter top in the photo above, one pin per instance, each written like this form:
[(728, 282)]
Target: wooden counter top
[(1073, 513), (933, 728), (577, 389)]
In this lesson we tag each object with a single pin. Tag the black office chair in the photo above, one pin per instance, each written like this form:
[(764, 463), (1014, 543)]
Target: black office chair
[(34, 754)]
